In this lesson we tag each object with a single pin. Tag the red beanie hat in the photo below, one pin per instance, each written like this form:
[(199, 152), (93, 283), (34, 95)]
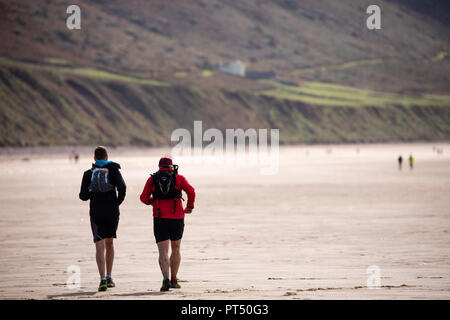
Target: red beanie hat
[(165, 162)]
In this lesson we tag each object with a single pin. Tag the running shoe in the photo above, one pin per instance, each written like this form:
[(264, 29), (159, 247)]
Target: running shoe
[(174, 284), (110, 283), (103, 285), (165, 285)]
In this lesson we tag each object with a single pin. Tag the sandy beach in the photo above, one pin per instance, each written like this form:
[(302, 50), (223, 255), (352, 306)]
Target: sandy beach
[(308, 232)]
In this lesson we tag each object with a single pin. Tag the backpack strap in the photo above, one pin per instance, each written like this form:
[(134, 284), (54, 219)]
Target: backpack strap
[(158, 210), (153, 175)]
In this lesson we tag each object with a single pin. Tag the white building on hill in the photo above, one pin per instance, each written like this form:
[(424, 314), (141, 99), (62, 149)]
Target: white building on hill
[(235, 68)]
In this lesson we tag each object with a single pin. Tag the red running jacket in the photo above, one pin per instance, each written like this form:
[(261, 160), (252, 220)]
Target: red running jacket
[(166, 207)]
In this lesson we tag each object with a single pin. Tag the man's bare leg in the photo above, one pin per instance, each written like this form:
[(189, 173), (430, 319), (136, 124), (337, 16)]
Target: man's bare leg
[(175, 258), (100, 257), (109, 244), (164, 263)]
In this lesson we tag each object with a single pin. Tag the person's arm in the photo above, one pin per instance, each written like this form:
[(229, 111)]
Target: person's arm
[(121, 187), (190, 191), (147, 192), (84, 190)]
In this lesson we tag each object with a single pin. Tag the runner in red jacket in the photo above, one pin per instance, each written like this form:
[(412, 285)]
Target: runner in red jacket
[(163, 191)]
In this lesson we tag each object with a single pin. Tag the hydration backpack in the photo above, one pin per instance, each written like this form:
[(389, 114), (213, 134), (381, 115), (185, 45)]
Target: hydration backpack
[(164, 182), (100, 181)]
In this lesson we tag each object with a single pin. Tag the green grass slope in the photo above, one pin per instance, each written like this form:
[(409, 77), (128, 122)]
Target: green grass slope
[(41, 106)]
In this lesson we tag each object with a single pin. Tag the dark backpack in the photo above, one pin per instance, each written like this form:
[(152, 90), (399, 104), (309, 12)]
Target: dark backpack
[(100, 181), (164, 182)]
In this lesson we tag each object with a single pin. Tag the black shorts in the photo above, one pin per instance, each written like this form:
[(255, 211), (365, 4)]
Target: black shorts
[(104, 229), (165, 229)]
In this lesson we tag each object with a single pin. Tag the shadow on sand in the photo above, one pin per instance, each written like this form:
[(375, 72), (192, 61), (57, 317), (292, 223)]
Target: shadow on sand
[(92, 293), (72, 294), (137, 294)]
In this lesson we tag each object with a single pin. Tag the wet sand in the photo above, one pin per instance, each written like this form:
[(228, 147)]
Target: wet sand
[(309, 232)]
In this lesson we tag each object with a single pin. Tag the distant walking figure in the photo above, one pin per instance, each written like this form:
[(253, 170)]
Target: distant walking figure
[(163, 191), (400, 161), (99, 186), (411, 162)]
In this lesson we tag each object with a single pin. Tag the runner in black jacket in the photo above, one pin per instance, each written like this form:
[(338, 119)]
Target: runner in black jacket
[(104, 212)]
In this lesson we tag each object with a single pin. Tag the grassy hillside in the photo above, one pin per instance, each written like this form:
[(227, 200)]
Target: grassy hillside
[(139, 69), (63, 106), (328, 39), (319, 93)]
